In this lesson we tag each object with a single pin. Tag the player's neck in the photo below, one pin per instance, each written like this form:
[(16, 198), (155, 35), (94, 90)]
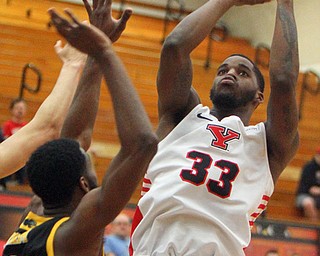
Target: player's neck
[(243, 114), (60, 209), (54, 211), (64, 209)]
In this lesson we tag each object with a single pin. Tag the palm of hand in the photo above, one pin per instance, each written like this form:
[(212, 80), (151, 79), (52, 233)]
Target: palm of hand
[(101, 17), (87, 39), (69, 54), (104, 22)]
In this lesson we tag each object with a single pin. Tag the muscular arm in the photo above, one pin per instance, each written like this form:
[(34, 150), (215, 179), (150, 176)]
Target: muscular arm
[(137, 141), (81, 118), (138, 145), (83, 111), (46, 124), (282, 115), (176, 96)]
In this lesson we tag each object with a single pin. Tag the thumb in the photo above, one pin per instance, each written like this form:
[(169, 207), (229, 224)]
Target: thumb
[(85, 22), (57, 46)]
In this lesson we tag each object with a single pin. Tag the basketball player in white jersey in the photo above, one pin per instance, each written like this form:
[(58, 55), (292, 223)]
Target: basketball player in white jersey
[(213, 173)]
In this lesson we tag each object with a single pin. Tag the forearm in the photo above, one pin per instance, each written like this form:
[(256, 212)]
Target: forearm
[(80, 120), (193, 29), (54, 109), (282, 112), (284, 59), (284, 71), (45, 126), (16, 150), (131, 118)]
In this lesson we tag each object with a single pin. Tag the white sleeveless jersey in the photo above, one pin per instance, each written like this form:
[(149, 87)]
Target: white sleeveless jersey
[(204, 188)]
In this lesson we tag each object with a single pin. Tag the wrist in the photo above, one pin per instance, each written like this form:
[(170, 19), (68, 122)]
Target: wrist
[(74, 63), (103, 55)]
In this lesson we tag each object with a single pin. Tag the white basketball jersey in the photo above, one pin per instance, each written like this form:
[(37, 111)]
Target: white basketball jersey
[(204, 188)]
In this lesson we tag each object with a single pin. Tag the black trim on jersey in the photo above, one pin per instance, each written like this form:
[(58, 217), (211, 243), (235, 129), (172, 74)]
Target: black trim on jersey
[(14, 250), (37, 240), (20, 230)]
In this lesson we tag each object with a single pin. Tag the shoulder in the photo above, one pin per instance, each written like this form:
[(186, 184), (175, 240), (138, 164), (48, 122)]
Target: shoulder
[(169, 121)]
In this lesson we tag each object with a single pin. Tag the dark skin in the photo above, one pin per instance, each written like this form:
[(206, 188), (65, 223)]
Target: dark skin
[(100, 206), (81, 117), (83, 111), (177, 97), (90, 210)]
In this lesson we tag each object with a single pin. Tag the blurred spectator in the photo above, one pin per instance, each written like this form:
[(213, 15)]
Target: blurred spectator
[(117, 243), (308, 193), (272, 252), (18, 109)]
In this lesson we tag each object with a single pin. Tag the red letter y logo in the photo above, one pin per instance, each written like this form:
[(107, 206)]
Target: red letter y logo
[(222, 135)]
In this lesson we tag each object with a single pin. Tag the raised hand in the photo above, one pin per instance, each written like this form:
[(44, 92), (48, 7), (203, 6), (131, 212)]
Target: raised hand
[(68, 54), (100, 15), (87, 39)]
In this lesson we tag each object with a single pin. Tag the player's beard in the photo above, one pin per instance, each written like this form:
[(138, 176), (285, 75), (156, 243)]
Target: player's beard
[(228, 100)]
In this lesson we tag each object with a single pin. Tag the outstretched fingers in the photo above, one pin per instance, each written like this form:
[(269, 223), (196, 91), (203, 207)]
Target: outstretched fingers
[(124, 18), (62, 25), (101, 3), (72, 16), (88, 7), (95, 4), (121, 25)]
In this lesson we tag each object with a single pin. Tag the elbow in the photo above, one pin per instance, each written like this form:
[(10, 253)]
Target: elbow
[(172, 46), (85, 139), (54, 132), (48, 131), (52, 127), (148, 144), (285, 80), (144, 146), (284, 75)]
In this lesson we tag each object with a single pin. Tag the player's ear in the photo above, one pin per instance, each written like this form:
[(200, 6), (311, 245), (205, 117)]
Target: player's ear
[(84, 185), (259, 98)]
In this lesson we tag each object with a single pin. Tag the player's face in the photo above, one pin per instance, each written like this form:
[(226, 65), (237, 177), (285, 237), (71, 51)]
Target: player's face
[(235, 84), (121, 226)]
